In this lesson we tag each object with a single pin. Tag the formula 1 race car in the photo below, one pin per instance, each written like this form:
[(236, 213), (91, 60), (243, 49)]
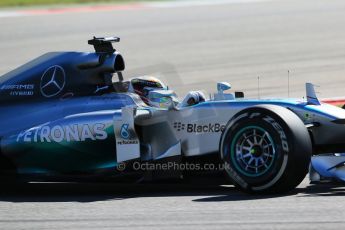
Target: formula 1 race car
[(63, 118)]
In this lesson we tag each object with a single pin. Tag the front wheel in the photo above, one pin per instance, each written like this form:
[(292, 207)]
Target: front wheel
[(266, 149)]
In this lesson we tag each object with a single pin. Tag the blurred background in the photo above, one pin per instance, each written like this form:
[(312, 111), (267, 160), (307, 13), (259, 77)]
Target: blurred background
[(195, 43)]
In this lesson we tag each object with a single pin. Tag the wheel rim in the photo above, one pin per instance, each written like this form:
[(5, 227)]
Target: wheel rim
[(253, 151)]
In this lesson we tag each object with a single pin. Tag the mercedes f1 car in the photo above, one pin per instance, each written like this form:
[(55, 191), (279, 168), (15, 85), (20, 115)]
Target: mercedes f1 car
[(63, 118)]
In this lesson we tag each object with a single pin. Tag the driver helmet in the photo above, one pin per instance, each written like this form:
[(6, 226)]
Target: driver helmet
[(143, 85)]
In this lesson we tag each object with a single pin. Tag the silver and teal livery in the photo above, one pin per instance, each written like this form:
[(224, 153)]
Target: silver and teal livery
[(63, 118)]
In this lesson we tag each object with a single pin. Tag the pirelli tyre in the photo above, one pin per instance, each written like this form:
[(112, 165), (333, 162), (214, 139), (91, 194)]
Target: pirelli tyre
[(266, 149)]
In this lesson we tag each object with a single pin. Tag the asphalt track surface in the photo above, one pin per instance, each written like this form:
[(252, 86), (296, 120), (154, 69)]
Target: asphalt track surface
[(190, 48)]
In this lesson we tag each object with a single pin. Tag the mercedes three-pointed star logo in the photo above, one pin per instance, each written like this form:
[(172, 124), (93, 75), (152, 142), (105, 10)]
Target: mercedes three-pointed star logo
[(53, 81)]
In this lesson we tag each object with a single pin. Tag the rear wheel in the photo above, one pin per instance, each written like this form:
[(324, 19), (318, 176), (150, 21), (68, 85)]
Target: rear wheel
[(266, 149)]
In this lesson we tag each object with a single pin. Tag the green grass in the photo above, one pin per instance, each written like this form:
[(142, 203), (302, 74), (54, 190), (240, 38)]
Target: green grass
[(4, 3)]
